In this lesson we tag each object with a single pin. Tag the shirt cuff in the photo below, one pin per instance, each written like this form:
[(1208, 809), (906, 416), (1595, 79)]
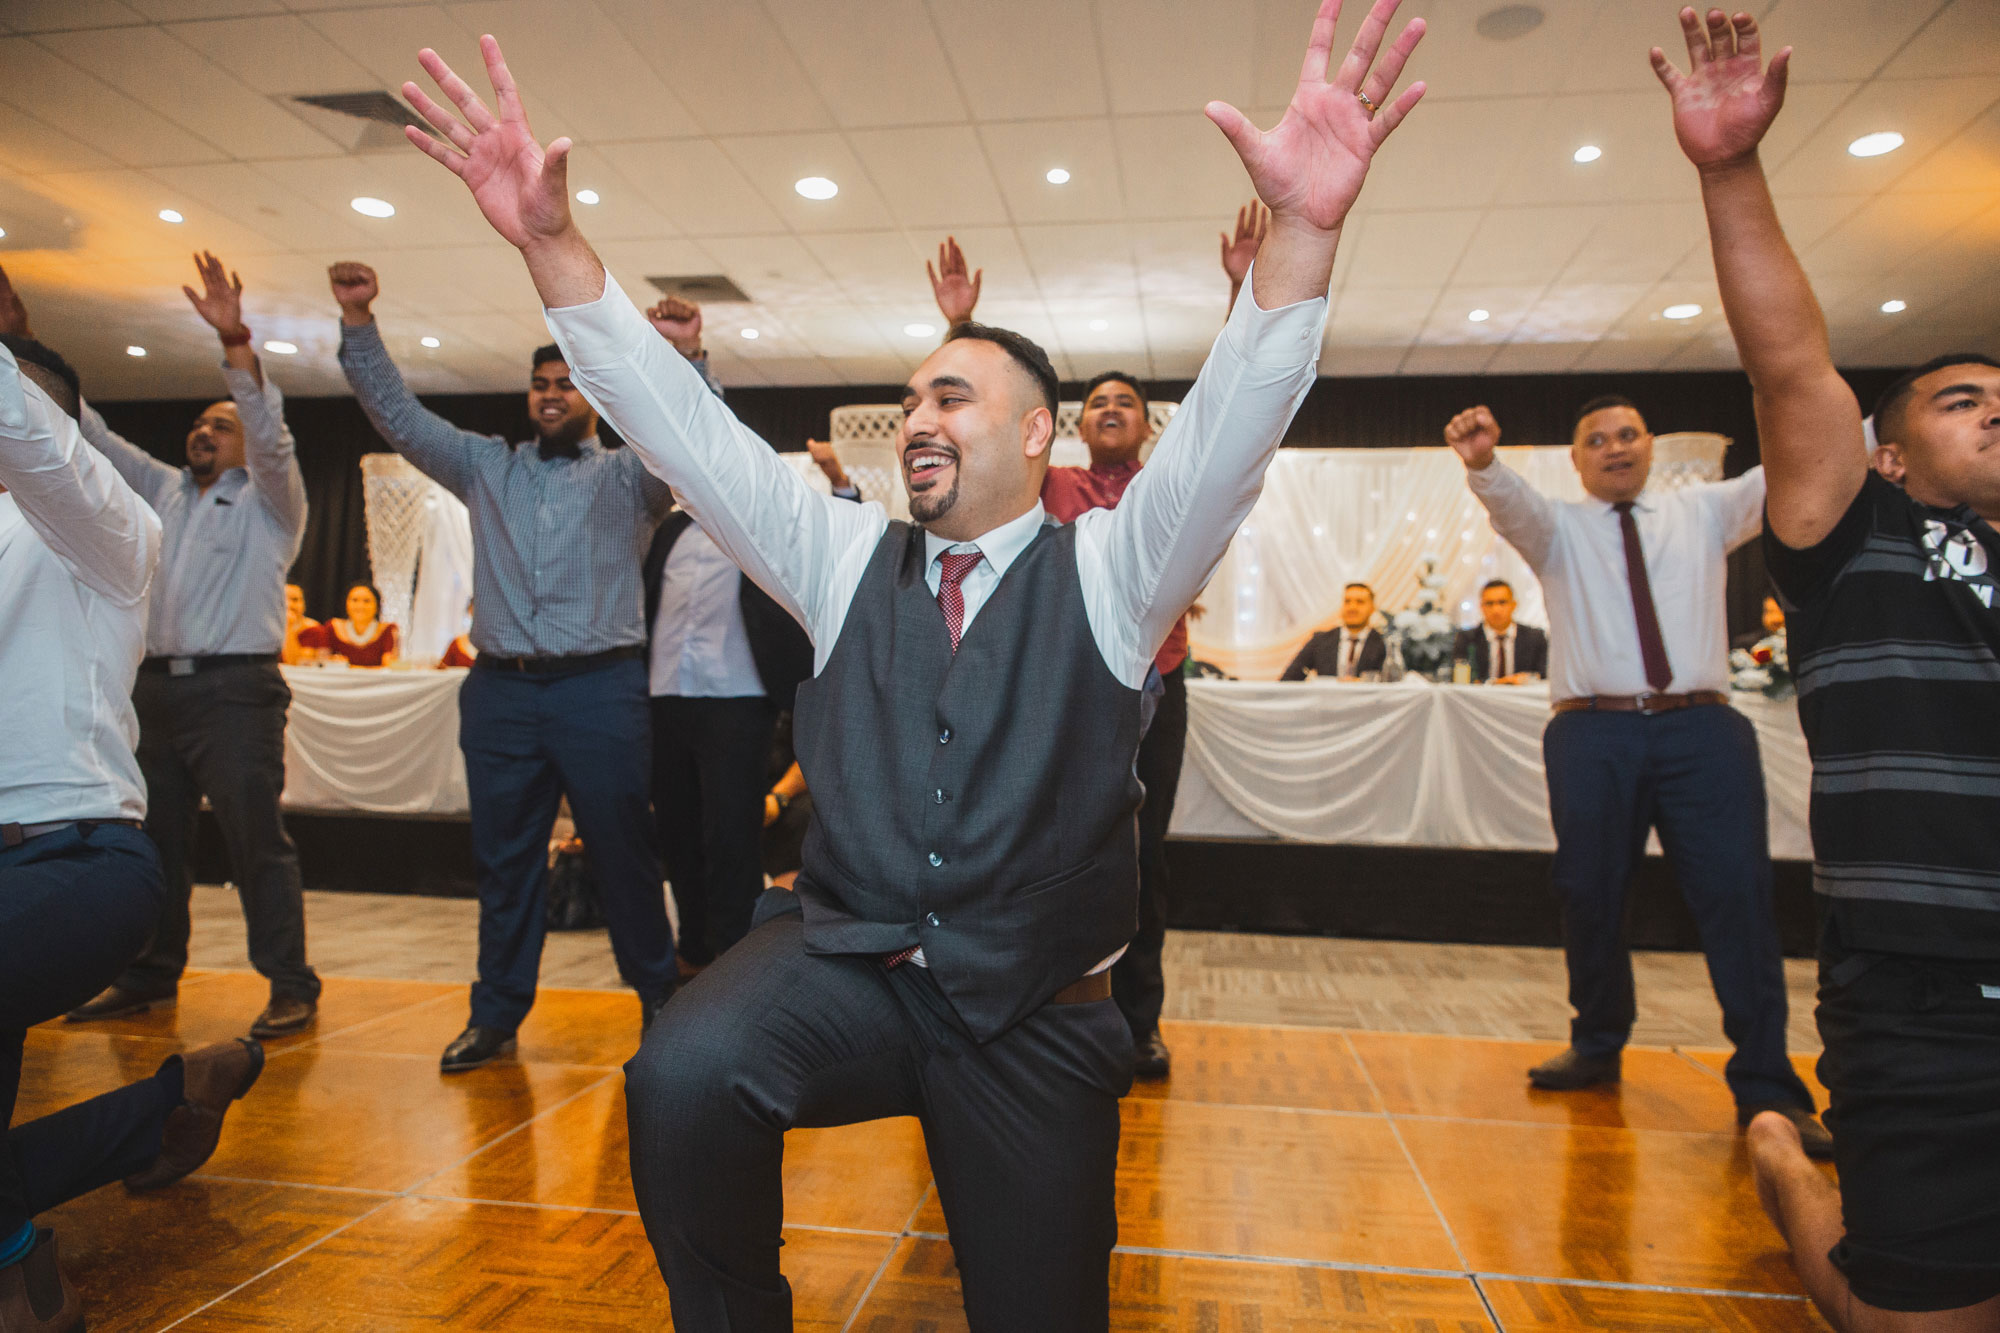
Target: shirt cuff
[(601, 332), (1283, 338)]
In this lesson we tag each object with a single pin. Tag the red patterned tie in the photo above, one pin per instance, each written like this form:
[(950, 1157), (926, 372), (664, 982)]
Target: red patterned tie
[(1652, 648), (951, 598)]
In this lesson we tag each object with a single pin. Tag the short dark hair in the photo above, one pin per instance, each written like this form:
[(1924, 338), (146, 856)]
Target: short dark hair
[(1491, 584), (1026, 353), (1115, 377), (1357, 584), (1598, 404), (546, 354), (373, 591), (1891, 402), (29, 352)]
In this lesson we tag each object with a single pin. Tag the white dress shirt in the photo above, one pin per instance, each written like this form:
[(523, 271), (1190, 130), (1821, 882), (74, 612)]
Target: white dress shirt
[(227, 549), (1140, 564), (77, 551), (1577, 549), (700, 646)]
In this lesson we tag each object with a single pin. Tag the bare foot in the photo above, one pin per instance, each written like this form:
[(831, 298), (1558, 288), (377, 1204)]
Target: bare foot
[(1775, 1148)]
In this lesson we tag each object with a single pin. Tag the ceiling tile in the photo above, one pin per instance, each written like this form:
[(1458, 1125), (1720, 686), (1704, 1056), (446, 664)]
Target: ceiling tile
[(1639, 243), (599, 86), (1844, 39), (1175, 55), (1572, 312), (1534, 358), (752, 96), (1179, 167), (1023, 152), (57, 15), (29, 147), (991, 45), (94, 112), (1450, 155), (776, 272), (1086, 261), (276, 55), (1822, 165), (694, 185), (1380, 315), (1962, 39), (774, 163), (1884, 232), (879, 267), (1527, 245), (932, 176), (432, 207), (874, 62), (255, 200), (1505, 307), (1402, 250)]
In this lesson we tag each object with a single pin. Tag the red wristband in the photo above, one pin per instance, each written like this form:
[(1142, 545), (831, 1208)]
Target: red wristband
[(238, 339)]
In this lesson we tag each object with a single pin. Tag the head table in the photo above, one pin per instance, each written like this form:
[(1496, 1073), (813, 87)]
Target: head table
[(1408, 764)]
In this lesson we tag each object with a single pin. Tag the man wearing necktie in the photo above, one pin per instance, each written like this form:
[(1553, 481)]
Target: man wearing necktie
[(969, 732), (1643, 738)]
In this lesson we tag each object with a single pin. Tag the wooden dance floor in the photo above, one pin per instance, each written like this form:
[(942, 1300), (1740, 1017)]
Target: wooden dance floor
[(1287, 1180)]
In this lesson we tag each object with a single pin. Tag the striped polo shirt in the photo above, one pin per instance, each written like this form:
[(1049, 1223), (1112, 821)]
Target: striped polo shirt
[(1893, 625)]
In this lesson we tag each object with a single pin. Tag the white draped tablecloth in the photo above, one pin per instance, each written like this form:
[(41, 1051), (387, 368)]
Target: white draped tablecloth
[(380, 742), (1413, 764)]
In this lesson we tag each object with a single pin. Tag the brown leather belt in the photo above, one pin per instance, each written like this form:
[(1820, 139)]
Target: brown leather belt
[(1085, 990), (1647, 704)]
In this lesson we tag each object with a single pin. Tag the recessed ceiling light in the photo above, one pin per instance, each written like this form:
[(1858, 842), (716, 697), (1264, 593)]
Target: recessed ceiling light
[(1508, 22), (816, 187), (171, 215), (1894, 307), (586, 196), (135, 351), (1480, 316), (1590, 152), (282, 348), (1099, 325), (1058, 176), (3, 232), (369, 206), (1876, 144), (919, 330), (428, 341), (750, 334), (1688, 310)]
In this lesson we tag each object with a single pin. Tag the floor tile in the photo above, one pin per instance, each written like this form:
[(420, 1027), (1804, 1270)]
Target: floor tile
[(576, 1027), (1259, 1066), (429, 1264), (1618, 1205), (59, 1069), (216, 1006), (1536, 1307), (142, 1261), (868, 1177), (1487, 1080)]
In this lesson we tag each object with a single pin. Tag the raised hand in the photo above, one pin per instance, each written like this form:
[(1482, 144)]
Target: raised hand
[(1309, 169), (1251, 221), (220, 300), (13, 314), (829, 462), (355, 287), (957, 295), (522, 189), (1473, 434), (1727, 100), (679, 322)]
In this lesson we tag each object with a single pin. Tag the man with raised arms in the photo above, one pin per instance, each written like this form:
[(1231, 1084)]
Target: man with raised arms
[(969, 733), (1894, 633)]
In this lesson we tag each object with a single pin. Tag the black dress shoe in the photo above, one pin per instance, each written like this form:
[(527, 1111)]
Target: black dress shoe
[(116, 1002), (1154, 1058), (1570, 1071), (35, 1297), (284, 1016), (1812, 1135), (473, 1048), (211, 1078)]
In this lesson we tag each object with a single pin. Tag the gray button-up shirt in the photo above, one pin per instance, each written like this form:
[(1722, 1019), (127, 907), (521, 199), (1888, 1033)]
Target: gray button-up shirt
[(556, 543), (224, 551)]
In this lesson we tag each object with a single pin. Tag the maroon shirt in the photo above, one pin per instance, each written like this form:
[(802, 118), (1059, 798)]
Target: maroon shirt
[(1069, 492)]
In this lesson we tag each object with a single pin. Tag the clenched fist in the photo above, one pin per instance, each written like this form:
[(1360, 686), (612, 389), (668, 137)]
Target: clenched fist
[(1473, 434), (355, 287), (679, 322)]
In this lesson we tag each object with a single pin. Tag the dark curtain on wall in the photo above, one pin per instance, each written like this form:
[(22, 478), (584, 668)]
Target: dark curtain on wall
[(1386, 412)]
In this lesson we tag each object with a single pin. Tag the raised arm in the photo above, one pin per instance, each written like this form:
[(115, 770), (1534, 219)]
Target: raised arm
[(1519, 512), (268, 453), (72, 497), (439, 449), (1239, 252), (956, 293), (1808, 422)]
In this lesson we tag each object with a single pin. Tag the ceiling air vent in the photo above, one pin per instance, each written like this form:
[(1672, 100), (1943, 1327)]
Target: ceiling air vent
[(363, 120), (702, 289)]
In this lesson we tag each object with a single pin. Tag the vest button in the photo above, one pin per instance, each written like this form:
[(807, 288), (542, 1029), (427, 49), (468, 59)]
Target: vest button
[(939, 798), (944, 737), (932, 920), (936, 860)]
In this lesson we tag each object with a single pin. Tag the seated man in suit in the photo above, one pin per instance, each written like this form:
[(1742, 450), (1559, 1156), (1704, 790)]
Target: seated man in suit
[(1501, 652), (1344, 653)]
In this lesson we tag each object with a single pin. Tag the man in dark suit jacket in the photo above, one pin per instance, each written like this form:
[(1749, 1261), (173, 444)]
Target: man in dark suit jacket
[(725, 660), (1346, 652), (1502, 652)]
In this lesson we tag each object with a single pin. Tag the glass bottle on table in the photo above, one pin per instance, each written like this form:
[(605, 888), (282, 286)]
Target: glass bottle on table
[(1461, 666)]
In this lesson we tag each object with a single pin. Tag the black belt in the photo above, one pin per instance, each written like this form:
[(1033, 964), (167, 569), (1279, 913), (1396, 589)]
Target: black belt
[(188, 666), (558, 666), (1647, 704), (13, 835)]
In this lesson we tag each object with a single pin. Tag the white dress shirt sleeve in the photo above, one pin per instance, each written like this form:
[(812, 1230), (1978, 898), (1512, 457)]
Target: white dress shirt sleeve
[(141, 471), (807, 550), (71, 496), (1521, 514), (269, 453), (1144, 562), (1738, 505)]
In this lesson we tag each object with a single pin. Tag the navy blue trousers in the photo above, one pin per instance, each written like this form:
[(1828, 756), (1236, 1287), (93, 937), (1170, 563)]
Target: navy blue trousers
[(75, 908), (1694, 775), (529, 741)]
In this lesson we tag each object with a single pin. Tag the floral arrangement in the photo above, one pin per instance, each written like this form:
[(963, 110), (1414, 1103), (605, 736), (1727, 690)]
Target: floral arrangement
[(1423, 631), (1763, 667)]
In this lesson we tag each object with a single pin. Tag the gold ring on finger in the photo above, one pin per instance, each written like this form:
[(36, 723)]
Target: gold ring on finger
[(1366, 101)]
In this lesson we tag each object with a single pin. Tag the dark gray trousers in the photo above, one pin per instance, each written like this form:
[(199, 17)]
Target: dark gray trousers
[(221, 734), (1022, 1131), (1138, 982)]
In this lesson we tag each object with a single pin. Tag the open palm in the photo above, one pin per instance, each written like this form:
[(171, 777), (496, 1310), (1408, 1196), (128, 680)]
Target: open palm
[(220, 300), (1310, 167), (522, 190), (1727, 100)]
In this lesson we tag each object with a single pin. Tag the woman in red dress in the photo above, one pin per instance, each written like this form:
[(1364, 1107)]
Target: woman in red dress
[(362, 639)]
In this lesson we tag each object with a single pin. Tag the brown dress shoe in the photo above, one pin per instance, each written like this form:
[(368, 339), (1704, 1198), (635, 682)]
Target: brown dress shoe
[(116, 1002), (35, 1297), (1570, 1071), (1812, 1134), (284, 1016), (212, 1078)]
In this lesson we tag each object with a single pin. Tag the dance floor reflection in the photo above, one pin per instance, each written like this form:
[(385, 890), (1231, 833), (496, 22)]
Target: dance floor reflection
[(1285, 1180)]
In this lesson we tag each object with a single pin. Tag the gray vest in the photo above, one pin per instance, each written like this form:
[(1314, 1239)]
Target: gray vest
[(980, 805)]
